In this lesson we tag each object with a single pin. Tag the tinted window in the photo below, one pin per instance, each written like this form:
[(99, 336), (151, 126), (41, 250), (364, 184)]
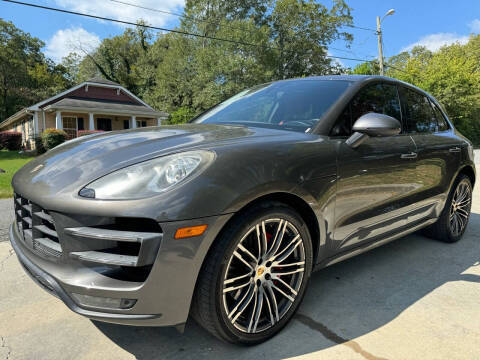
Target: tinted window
[(292, 105), (379, 98), (418, 115), (442, 123)]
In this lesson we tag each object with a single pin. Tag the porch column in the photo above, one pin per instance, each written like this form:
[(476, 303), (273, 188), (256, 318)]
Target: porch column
[(58, 120), (44, 121), (134, 121), (91, 122), (159, 121), (35, 123)]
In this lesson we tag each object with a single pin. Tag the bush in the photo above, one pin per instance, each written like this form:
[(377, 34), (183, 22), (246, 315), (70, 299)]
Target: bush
[(39, 145), (181, 115), (53, 137), (89, 132), (11, 140)]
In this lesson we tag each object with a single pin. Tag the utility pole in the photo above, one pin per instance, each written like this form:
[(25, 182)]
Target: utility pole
[(379, 35), (380, 48)]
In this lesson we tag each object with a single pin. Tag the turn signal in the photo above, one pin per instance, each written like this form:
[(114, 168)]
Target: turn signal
[(190, 231)]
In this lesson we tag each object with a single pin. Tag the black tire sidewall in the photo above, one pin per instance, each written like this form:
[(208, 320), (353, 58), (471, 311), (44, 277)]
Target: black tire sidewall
[(241, 226)]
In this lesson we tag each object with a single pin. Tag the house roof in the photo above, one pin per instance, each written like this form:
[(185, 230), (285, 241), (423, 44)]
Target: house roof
[(99, 80), (68, 104), (14, 117)]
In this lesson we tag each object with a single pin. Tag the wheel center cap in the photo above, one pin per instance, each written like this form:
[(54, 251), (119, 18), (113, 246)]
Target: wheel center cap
[(260, 271)]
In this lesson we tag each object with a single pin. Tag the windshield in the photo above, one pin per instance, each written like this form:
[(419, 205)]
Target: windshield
[(290, 105)]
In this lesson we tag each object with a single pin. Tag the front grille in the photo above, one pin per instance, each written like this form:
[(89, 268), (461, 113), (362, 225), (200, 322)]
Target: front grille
[(37, 227)]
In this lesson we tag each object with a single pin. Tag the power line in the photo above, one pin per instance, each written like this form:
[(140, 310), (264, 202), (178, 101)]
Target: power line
[(156, 10), (165, 29), (361, 28), (128, 22), (175, 14), (395, 68), (214, 23), (200, 20)]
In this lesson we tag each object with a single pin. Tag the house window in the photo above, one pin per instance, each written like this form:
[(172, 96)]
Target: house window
[(104, 124), (80, 124), (70, 126), (141, 123), (126, 124)]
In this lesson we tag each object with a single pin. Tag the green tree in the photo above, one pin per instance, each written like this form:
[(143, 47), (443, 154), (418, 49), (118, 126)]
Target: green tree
[(290, 38), (366, 68), (116, 58), (302, 30), (26, 76), (452, 75)]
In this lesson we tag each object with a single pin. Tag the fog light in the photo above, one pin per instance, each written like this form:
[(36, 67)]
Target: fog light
[(103, 302)]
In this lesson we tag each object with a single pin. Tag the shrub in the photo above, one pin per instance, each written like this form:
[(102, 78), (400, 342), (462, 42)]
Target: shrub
[(89, 132), (39, 145), (53, 137), (181, 115), (11, 140)]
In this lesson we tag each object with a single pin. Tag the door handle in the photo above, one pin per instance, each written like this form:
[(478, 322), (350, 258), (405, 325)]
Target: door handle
[(410, 155), (455, 149)]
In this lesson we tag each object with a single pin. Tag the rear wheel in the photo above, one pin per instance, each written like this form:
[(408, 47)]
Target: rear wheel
[(255, 275), (454, 218)]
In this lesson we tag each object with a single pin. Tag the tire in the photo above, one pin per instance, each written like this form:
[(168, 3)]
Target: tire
[(444, 230), (218, 308)]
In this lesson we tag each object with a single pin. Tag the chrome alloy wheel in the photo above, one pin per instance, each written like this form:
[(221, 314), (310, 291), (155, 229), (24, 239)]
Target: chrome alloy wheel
[(460, 208), (264, 275)]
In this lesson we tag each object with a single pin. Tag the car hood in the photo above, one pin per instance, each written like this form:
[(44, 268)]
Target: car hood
[(74, 164)]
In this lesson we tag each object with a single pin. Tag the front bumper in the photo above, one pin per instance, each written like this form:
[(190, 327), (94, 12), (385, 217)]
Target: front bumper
[(163, 299)]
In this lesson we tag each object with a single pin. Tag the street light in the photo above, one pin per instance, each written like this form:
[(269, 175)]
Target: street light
[(379, 34)]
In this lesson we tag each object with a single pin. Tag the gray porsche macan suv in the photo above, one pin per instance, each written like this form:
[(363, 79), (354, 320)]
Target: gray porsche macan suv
[(226, 217)]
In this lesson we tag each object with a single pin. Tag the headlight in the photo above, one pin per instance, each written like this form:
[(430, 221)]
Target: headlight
[(148, 178)]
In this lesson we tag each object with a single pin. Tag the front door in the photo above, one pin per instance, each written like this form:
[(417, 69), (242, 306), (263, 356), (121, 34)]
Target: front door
[(70, 126), (377, 180), (104, 124)]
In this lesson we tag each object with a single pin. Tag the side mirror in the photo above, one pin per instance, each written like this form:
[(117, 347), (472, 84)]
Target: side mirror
[(373, 125)]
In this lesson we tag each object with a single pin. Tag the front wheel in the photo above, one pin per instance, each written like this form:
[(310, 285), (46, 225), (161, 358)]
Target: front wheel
[(454, 218), (255, 275)]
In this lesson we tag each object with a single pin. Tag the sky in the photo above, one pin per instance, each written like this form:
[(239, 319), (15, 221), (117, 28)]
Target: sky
[(431, 23)]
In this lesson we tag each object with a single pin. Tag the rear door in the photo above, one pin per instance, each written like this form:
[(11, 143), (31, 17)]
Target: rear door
[(377, 180), (438, 149)]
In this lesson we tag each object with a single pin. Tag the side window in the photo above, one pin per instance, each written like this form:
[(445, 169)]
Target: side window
[(418, 114), (343, 125), (442, 123), (379, 98)]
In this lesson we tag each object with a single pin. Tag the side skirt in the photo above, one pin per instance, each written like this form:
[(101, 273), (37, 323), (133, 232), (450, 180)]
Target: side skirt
[(371, 245)]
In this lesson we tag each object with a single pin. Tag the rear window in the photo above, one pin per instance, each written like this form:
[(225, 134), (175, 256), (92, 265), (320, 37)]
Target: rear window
[(441, 121)]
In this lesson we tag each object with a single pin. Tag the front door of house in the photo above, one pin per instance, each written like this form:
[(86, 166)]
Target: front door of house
[(70, 126), (104, 124)]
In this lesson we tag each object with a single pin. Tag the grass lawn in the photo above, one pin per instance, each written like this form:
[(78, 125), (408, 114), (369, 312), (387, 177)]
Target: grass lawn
[(10, 161)]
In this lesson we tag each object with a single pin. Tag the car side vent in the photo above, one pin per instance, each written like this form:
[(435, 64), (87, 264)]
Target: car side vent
[(118, 247)]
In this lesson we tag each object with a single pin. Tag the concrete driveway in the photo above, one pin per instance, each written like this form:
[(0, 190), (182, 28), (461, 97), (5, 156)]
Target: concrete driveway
[(6, 217), (414, 298)]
